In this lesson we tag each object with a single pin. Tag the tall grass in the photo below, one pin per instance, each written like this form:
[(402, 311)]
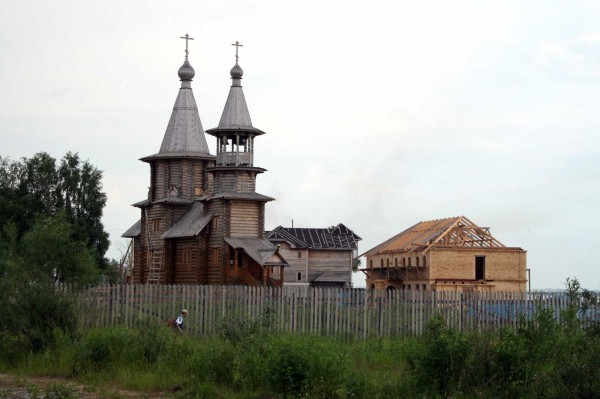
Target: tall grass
[(543, 359)]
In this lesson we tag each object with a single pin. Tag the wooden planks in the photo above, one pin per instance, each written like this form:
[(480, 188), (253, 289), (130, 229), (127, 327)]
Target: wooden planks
[(347, 313)]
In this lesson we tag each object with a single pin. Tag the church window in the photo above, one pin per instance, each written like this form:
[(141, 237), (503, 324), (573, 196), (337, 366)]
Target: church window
[(240, 258), (424, 261), (396, 262), (215, 222), (417, 261), (409, 261), (186, 258), (381, 262), (387, 262), (215, 256), (156, 225)]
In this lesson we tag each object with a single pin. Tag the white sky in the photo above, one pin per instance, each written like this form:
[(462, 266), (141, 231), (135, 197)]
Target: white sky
[(378, 114)]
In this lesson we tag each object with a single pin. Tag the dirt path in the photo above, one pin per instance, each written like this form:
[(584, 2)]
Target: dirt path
[(17, 387)]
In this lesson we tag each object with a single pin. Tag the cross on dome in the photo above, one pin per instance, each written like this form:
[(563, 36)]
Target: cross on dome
[(237, 46), (187, 38)]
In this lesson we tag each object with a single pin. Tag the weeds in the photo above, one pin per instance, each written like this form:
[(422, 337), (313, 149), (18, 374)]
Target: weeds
[(542, 358)]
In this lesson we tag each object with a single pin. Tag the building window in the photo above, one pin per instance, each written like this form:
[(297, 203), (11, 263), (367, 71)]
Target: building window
[(186, 259), (299, 276), (417, 261), (403, 261), (480, 268), (299, 254), (424, 261), (198, 192), (240, 258), (215, 256), (215, 222), (156, 225), (387, 262), (409, 262), (371, 263), (381, 262), (396, 262)]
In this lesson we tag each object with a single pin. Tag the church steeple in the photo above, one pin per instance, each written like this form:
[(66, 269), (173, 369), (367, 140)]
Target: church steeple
[(235, 133), (184, 135)]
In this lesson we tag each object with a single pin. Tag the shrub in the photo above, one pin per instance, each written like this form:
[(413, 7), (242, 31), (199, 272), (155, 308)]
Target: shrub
[(103, 348)]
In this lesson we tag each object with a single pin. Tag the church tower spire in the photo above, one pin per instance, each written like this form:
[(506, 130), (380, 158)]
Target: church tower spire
[(184, 136)]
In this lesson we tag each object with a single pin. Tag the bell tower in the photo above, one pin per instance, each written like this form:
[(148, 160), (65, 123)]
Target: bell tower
[(239, 211)]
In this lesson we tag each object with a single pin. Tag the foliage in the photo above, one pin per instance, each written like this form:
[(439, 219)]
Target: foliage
[(356, 263), (36, 188), (50, 234), (543, 358)]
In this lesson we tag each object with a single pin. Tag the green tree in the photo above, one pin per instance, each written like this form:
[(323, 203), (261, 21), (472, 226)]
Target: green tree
[(36, 188)]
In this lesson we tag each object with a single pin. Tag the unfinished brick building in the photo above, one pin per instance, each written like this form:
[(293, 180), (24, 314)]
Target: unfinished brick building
[(446, 254)]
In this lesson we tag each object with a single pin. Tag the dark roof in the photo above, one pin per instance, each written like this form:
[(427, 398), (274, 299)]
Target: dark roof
[(241, 196), (142, 203), (165, 200), (190, 224), (261, 250), (134, 230), (338, 237), (173, 155)]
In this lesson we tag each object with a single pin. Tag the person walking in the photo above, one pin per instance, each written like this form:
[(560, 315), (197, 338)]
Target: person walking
[(180, 319)]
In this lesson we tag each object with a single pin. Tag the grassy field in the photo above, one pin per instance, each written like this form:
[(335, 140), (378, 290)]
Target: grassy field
[(543, 359)]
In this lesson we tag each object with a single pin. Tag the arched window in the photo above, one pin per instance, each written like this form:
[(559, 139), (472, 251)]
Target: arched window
[(390, 291), (409, 261), (387, 262), (371, 263), (424, 261), (417, 260), (396, 262), (403, 261), (381, 262)]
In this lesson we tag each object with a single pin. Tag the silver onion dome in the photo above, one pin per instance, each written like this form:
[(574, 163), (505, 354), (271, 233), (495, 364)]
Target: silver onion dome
[(186, 72), (236, 71)]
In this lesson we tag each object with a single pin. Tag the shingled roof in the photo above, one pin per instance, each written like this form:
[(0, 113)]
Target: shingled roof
[(338, 237), (184, 136), (190, 224), (449, 232)]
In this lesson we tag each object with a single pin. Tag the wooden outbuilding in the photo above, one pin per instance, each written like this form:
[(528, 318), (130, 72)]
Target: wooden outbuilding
[(203, 221), (446, 254), (317, 256)]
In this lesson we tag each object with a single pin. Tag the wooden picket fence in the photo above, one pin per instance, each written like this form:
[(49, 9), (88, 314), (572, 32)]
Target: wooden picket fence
[(351, 313)]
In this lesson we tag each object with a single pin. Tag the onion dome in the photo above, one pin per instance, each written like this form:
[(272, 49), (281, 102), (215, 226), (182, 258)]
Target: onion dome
[(186, 72), (236, 71)]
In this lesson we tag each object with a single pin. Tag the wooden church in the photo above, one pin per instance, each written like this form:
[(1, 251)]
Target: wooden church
[(203, 221)]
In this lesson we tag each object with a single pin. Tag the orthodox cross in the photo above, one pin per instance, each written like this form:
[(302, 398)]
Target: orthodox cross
[(237, 46), (186, 37)]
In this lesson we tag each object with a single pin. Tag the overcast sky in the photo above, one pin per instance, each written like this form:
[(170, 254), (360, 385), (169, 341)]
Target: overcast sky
[(379, 114)]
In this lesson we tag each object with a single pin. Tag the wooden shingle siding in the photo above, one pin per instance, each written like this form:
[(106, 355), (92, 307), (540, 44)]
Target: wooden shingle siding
[(245, 219), (337, 265), (295, 265), (186, 270)]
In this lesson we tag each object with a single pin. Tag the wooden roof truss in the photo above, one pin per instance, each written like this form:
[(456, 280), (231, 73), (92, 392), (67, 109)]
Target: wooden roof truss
[(463, 233)]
